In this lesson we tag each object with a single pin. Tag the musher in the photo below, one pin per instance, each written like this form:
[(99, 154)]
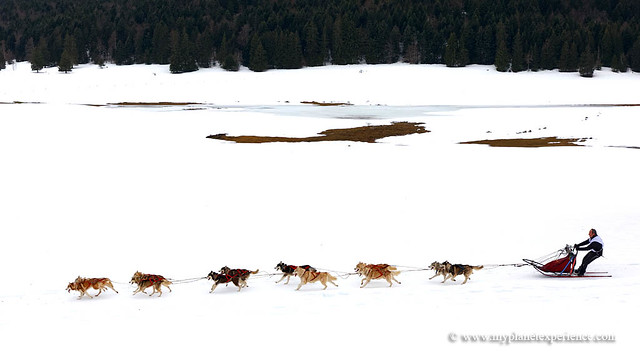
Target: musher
[(594, 245)]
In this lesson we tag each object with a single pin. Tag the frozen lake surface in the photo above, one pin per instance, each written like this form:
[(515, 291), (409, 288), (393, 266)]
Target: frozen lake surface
[(107, 190)]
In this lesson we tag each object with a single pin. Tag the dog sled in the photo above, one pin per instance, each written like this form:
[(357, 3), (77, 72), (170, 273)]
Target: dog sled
[(561, 264)]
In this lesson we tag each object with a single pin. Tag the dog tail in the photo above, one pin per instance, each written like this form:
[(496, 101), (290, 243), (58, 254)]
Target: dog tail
[(391, 267), (331, 277), (478, 267), (255, 272), (396, 273)]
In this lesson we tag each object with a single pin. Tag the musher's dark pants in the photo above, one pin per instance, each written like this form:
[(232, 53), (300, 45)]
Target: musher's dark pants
[(589, 257)]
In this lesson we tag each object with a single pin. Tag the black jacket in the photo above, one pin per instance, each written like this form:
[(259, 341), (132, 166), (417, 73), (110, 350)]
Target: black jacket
[(589, 244)]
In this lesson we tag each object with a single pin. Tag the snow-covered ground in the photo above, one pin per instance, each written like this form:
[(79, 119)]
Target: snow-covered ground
[(107, 190)]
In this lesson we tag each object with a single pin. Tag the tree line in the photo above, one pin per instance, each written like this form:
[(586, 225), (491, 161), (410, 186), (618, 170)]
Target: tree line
[(513, 35)]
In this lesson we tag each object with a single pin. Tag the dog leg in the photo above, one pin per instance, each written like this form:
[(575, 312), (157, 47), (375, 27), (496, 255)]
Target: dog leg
[(299, 285), (139, 289), (213, 287), (433, 276), (288, 278), (465, 280), (111, 287), (365, 283)]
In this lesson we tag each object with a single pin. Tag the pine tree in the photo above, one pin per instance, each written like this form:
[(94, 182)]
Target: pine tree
[(38, 60), (574, 59), (502, 57), (338, 56), (182, 56), (204, 49), (547, 56), (223, 51), (66, 63), (502, 60), (258, 57), (568, 58), (292, 52), (350, 41), (230, 63), (634, 56), (161, 47), (533, 58), (412, 52), (607, 45), (517, 59), (71, 47), (463, 53), (451, 49), (392, 53), (485, 46), (312, 48), (99, 60), (587, 63), (619, 63)]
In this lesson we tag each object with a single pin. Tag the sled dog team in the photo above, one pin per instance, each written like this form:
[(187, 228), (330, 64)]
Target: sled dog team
[(306, 273)]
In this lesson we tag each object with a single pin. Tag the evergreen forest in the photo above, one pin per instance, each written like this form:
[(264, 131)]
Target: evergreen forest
[(514, 35)]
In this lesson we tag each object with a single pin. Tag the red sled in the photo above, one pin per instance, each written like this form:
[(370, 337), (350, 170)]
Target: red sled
[(561, 264)]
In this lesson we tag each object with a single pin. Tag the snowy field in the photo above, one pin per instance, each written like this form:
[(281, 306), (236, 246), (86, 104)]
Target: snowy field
[(103, 191)]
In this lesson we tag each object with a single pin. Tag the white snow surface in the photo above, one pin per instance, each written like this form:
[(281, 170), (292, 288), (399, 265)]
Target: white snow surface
[(103, 191)]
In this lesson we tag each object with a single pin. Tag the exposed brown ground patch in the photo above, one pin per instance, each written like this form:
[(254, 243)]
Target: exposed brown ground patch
[(323, 103), (162, 103), (19, 102), (535, 142), (625, 147), (361, 134)]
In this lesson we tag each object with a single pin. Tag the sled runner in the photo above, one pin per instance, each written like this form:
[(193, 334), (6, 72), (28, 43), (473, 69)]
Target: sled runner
[(561, 264)]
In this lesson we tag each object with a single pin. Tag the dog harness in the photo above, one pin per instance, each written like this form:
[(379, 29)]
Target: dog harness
[(379, 268), (314, 275), (232, 274), (152, 278), (226, 278)]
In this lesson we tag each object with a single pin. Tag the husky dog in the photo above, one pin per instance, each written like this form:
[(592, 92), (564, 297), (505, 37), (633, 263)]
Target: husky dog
[(289, 270), (308, 276), (145, 281), (377, 271), (450, 271), (83, 284)]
